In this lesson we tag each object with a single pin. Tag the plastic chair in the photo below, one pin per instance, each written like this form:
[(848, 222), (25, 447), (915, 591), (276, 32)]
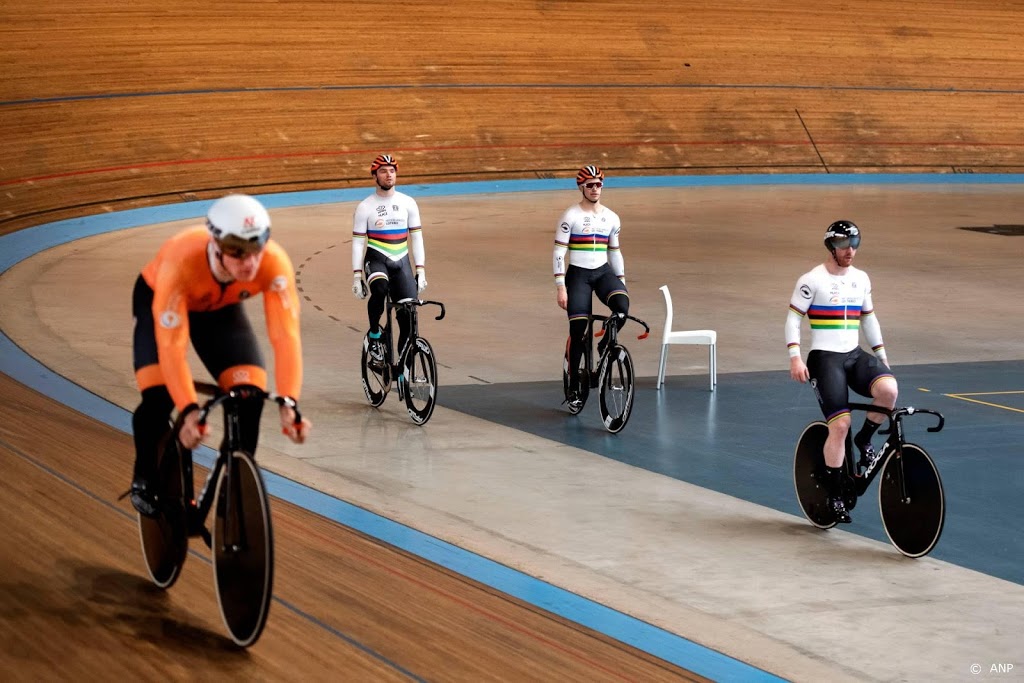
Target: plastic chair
[(670, 336)]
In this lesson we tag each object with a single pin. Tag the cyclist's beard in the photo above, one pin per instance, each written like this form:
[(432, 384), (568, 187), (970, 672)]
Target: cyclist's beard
[(385, 185), (592, 201), (840, 261)]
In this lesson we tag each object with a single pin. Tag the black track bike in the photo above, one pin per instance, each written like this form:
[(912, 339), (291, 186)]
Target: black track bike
[(414, 371), (910, 495), (240, 536), (614, 377)]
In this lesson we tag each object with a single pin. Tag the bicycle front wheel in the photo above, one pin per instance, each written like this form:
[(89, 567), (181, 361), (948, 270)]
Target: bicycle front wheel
[(165, 537), (809, 476), (243, 549), (615, 378), (420, 378), (911, 501), (376, 376)]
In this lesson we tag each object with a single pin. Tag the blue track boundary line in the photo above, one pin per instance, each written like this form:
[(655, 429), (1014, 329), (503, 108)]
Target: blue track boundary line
[(15, 362)]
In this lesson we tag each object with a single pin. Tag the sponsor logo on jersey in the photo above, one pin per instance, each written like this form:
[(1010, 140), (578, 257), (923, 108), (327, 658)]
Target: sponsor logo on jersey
[(805, 291), (279, 284), (240, 376), (170, 320)]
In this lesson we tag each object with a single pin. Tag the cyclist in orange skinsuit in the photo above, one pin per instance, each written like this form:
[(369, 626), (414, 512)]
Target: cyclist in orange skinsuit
[(193, 290)]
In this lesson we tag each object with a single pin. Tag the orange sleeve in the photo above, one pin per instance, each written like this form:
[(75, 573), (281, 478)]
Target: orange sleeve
[(170, 313), (281, 306)]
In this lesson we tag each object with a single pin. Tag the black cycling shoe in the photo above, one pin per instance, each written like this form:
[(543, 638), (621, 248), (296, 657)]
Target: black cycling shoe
[(838, 507), (574, 402), (868, 456), (143, 499)]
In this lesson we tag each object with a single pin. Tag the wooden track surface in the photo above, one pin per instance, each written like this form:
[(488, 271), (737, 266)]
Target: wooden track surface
[(103, 107), (106, 106), (76, 600)]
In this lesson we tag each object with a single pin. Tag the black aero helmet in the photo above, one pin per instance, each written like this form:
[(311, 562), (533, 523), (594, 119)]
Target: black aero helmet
[(842, 234)]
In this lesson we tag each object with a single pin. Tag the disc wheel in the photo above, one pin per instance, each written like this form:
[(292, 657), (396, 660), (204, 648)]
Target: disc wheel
[(243, 549), (165, 537), (911, 501), (809, 476), (376, 376)]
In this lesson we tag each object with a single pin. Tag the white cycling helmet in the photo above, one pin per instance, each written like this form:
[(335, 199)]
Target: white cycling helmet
[(239, 224)]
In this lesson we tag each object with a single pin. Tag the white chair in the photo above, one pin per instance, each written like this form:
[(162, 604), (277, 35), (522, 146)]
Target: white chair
[(670, 336)]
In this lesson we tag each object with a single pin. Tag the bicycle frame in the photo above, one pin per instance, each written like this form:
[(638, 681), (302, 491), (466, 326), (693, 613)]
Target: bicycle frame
[(411, 306), (613, 337), (893, 444), (197, 509)]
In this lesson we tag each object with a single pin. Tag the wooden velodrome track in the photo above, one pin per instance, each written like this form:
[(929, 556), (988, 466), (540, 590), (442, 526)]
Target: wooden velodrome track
[(104, 108)]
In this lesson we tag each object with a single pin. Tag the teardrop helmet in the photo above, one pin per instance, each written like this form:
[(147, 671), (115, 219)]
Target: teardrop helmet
[(842, 234)]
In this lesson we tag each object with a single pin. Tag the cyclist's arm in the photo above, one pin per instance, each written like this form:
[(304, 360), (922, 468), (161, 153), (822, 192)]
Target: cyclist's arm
[(419, 255), (615, 256), (560, 259), (799, 303), (170, 313), (281, 306), (872, 329), (359, 223)]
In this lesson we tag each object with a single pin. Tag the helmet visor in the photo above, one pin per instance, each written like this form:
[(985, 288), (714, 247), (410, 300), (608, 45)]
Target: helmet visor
[(239, 247), (845, 242)]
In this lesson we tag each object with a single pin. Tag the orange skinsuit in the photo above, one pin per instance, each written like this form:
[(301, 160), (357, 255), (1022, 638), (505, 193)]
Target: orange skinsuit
[(182, 282)]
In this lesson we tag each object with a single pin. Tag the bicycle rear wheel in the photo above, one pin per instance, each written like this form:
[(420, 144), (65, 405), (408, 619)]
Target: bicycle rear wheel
[(809, 476), (376, 376), (582, 386), (911, 501), (615, 379), (243, 549), (165, 537), (420, 378)]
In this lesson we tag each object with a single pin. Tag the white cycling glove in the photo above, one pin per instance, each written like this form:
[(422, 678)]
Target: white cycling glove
[(421, 280), (358, 286)]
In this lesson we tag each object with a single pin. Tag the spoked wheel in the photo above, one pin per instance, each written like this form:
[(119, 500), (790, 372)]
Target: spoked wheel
[(615, 379), (165, 537), (911, 501), (809, 476), (243, 549), (582, 387), (419, 377), (376, 376)]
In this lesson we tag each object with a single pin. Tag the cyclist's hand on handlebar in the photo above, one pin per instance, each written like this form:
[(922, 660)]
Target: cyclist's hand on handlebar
[(295, 432), (191, 433), (358, 286), (561, 297), (421, 280), (798, 370)]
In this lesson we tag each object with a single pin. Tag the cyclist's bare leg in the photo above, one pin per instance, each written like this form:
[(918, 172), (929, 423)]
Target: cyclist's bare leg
[(835, 444)]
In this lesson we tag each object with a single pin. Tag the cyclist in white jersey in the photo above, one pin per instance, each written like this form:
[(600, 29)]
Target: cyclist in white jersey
[(587, 260), (384, 227), (836, 298)]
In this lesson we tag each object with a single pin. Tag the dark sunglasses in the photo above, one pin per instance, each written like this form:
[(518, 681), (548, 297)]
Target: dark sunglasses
[(591, 186)]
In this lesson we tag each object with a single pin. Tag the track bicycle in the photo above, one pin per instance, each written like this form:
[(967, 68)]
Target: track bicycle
[(614, 375), (910, 495), (240, 536), (414, 371)]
